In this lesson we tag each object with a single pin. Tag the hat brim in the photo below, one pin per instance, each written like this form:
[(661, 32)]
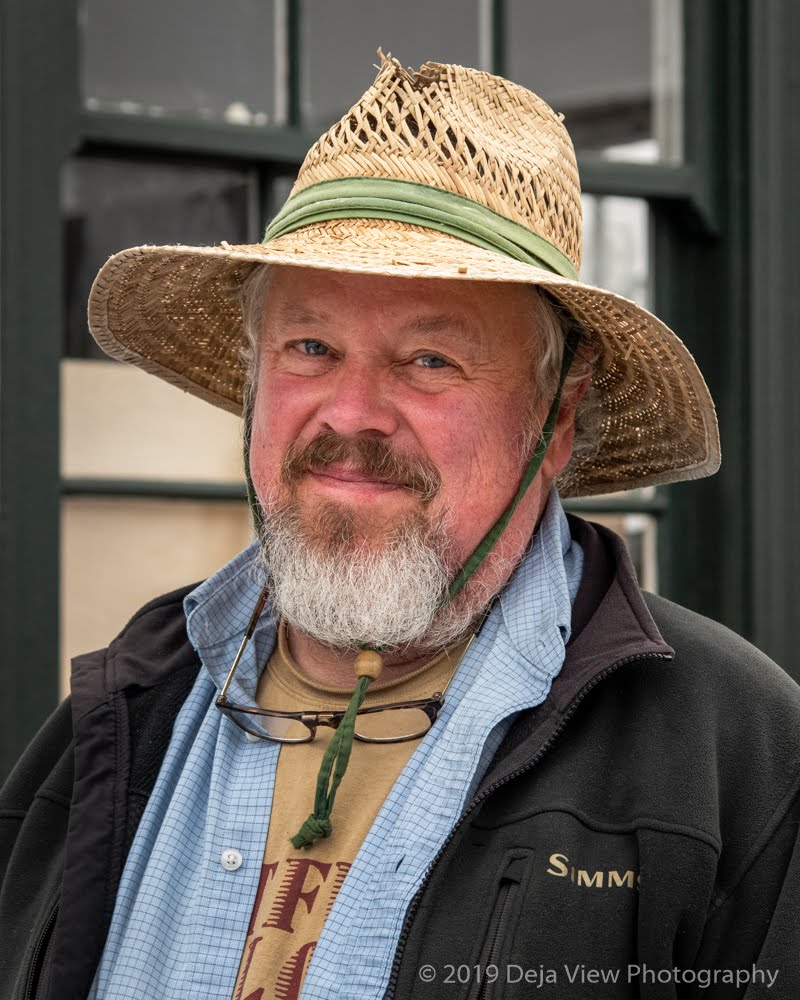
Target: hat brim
[(175, 312)]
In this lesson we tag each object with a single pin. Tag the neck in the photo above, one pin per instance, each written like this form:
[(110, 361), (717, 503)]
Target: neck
[(325, 665)]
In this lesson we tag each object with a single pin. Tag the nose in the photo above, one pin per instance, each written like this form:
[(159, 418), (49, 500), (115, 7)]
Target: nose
[(358, 401)]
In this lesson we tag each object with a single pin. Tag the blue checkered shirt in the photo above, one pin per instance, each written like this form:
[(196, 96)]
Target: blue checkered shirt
[(181, 915)]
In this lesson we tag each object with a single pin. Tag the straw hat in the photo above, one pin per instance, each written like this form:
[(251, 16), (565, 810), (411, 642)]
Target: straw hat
[(445, 172)]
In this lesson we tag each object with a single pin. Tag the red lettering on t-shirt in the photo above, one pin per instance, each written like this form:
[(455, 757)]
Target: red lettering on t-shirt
[(292, 890), (290, 978), (267, 872), (256, 994)]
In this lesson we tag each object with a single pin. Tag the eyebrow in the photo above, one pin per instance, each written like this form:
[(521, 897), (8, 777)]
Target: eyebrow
[(303, 316), (439, 323)]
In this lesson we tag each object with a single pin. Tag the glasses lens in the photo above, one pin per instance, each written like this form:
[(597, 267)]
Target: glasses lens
[(271, 727), (393, 724)]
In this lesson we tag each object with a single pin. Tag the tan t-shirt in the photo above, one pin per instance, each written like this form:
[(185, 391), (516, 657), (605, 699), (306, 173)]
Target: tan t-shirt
[(298, 887)]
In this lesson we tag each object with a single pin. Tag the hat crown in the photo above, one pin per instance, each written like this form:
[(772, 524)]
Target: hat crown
[(466, 132)]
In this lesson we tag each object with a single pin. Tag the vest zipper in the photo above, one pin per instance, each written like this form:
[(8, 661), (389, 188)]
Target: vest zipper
[(501, 915), (490, 790), (37, 961)]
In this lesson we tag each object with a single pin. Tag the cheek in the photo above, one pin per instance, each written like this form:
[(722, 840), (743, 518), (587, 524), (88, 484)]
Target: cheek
[(489, 434), (276, 423), (482, 465)]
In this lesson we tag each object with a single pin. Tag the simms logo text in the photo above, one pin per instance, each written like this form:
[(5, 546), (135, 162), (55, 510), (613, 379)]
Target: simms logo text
[(611, 878)]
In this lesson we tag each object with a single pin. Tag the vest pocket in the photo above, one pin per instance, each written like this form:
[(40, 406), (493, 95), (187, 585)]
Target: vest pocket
[(489, 972)]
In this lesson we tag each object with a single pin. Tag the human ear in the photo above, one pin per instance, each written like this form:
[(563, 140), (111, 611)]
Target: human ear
[(559, 450)]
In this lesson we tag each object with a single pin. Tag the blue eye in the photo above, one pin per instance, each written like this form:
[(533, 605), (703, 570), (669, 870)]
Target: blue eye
[(431, 361), (313, 347)]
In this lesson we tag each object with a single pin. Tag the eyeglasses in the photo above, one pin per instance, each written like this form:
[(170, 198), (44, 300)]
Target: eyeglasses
[(393, 723)]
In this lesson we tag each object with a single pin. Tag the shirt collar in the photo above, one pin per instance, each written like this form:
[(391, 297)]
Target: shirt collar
[(550, 569)]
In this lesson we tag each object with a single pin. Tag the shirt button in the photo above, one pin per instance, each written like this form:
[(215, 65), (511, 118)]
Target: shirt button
[(230, 860)]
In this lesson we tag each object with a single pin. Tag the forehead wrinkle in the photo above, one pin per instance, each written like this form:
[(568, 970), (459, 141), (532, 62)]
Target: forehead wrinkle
[(297, 314), (441, 323)]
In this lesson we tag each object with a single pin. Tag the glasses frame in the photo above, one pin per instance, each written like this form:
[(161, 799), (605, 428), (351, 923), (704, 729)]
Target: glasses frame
[(312, 720)]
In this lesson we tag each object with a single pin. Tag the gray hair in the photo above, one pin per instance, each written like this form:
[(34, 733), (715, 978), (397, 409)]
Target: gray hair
[(550, 320), (551, 323)]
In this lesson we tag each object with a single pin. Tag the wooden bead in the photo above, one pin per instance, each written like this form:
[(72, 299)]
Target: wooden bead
[(368, 664)]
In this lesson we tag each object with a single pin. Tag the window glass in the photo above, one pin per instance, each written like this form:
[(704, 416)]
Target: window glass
[(117, 422), (109, 204), (341, 41), (215, 61), (613, 69), (639, 534), (117, 554), (615, 246)]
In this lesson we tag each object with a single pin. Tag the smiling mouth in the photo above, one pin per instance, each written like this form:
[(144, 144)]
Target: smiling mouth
[(354, 477), (359, 465)]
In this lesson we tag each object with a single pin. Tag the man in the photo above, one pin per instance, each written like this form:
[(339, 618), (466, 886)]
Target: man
[(266, 790)]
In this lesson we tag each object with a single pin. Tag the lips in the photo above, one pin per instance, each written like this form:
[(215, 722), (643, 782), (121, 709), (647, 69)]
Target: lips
[(346, 474)]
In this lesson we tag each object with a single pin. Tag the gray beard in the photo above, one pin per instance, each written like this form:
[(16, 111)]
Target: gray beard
[(345, 595)]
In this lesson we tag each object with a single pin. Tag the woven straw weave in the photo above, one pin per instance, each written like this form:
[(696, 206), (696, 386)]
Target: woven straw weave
[(175, 312)]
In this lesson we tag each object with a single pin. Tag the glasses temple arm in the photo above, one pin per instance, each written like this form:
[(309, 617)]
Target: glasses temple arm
[(251, 625), (460, 660)]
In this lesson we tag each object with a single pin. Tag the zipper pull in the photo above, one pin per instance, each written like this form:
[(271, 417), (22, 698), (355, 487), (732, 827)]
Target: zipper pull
[(514, 872)]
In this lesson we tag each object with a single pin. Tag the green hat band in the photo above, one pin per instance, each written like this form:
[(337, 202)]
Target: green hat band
[(418, 205)]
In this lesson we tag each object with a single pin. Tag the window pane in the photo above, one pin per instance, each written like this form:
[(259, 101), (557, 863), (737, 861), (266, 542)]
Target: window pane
[(614, 69), (639, 533), (341, 40), (117, 422), (615, 246), (117, 554), (213, 60), (110, 204)]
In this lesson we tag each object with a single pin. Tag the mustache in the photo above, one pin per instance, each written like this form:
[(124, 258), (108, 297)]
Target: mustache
[(370, 456)]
